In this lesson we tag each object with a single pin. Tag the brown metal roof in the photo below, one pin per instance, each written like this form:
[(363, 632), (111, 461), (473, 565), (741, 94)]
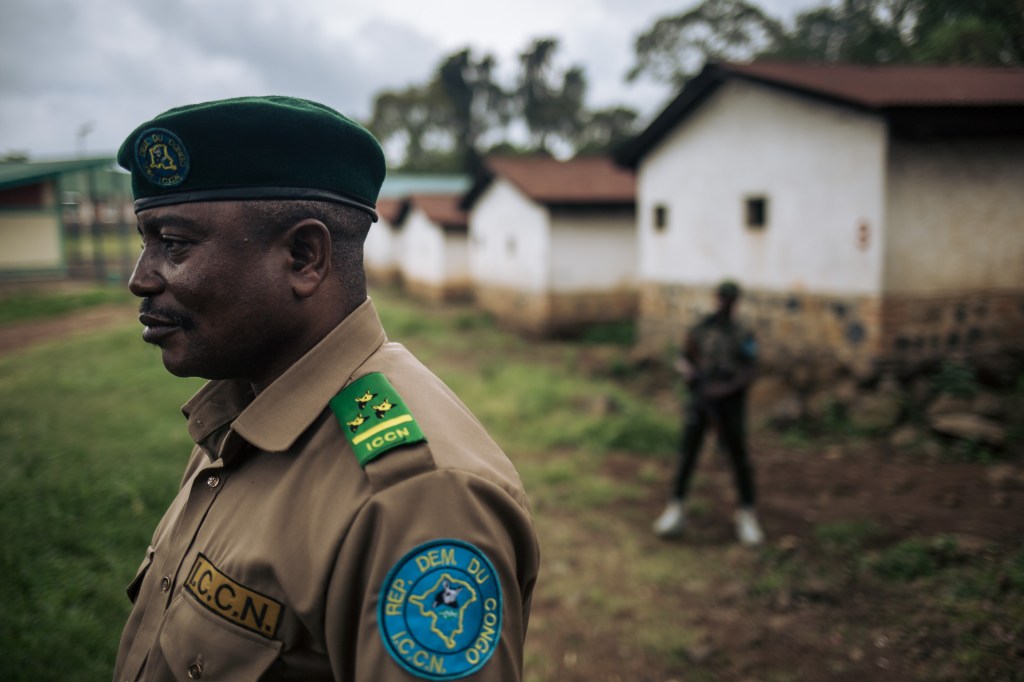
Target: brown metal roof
[(585, 180), (389, 209), (442, 209), (888, 86)]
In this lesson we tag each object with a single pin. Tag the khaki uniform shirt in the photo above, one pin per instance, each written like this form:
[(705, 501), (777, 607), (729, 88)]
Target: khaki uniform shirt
[(281, 558)]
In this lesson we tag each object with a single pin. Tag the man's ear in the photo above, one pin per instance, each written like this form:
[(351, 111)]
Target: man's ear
[(309, 256)]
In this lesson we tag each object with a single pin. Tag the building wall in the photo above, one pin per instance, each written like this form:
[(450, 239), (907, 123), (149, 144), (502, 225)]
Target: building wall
[(30, 240), (548, 272), (456, 258), (593, 250), (923, 327), (547, 313), (434, 262), (422, 255), (955, 215), (954, 248), (819, 166), (791, 328), (381, 251), (513, 308), (509, 238), (30, 230)]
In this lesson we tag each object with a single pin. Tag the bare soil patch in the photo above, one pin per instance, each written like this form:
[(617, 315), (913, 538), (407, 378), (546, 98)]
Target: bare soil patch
[(795, 609), (21, 335)]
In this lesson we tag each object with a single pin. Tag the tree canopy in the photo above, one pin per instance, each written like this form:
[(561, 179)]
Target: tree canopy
[(974, 32), (464, 112)]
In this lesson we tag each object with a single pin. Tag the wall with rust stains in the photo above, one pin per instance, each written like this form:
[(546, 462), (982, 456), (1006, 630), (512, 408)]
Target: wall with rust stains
[(381, 251), (789, 325), (955, 216), (546, 313), (856, 331)]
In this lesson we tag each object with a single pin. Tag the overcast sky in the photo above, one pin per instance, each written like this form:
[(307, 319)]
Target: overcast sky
[(111, 64)]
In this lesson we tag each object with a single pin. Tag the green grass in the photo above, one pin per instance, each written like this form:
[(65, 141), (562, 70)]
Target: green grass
[(846, 538), (914, 558), (20, 307), (92, 445)]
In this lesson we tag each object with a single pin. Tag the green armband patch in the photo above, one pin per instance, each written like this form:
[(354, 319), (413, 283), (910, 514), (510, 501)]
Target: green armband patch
[(374, 417)]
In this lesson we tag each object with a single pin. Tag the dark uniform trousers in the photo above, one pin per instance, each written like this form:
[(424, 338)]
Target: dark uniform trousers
[(727, 417)]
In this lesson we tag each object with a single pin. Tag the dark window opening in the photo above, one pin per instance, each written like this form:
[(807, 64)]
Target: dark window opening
[(660, 217), (757, 212)]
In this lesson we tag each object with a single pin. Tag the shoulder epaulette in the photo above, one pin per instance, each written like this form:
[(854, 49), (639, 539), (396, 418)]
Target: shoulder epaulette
[(374, 417)]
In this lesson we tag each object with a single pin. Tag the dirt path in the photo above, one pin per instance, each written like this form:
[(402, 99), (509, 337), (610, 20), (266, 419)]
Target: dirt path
[(20, 335)]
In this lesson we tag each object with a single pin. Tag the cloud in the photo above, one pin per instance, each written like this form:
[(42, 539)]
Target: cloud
[(116, 63)]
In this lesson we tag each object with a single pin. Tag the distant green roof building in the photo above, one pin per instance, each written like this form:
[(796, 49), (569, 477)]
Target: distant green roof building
[(45, 208), (401, 185)]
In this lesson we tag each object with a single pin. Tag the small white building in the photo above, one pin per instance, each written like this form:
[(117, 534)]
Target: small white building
[(434, 256), (871, 213), (382, 250), (553, 243), (382, 246)]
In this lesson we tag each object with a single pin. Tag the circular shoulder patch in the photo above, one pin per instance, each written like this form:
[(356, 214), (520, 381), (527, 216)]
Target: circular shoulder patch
[(161, 157), (440, 610)]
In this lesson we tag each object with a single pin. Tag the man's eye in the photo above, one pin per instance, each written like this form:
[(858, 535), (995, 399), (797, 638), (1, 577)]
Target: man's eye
[(173, 243)]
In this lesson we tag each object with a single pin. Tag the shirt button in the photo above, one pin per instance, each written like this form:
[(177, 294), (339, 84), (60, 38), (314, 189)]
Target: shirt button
[(165, 584), (213, 481)]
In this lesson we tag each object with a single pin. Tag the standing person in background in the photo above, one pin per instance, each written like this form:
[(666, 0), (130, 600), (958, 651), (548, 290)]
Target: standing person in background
[(718, 363), (343, 516)]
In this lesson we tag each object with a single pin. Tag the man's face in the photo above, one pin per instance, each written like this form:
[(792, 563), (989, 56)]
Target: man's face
[(216, 297), (725, 303)]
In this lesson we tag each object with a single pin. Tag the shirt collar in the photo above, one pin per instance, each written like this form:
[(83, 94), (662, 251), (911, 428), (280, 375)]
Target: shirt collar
[(274, 420)]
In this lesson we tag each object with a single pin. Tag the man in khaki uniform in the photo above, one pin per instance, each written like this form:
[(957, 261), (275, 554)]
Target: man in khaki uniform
[(342, 516)]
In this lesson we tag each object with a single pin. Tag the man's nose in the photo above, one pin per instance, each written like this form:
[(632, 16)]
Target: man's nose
[(145, 281)]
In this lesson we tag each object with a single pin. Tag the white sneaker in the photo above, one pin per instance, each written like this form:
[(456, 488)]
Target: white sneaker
[(748, 530), (672, 520)]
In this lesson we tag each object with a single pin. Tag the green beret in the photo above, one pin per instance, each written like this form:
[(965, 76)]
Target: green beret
[(253, 148)]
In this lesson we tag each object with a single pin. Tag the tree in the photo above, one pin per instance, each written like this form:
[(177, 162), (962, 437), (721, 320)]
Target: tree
[(476, 103), (441, 123), (856, 31), (605, 130), (969, 32), (415, 117), (550, 109), (848, 31), (677, 46), (448, 123)]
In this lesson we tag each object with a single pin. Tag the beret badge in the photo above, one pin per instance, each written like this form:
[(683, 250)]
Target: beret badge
[(162, 158)]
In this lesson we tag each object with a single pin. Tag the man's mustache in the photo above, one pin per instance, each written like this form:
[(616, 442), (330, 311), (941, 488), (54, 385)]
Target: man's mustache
[(179, 318)]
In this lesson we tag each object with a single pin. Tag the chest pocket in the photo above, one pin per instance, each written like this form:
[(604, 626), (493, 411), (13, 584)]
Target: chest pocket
[(197, 644)]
